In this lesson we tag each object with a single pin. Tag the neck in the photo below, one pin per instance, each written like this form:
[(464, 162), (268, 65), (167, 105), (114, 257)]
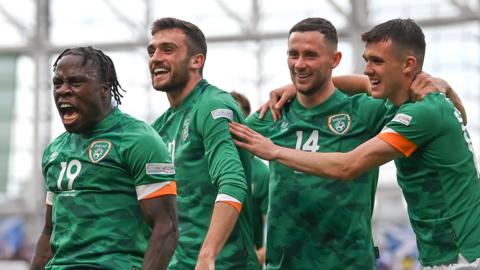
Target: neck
[(176, 97), (402, 95), (318, 97)]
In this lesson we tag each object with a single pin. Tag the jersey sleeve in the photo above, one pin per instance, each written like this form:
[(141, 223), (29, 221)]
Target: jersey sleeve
[(224, 163), (49, 193), (261, 126), (149, 164), (412, 126)]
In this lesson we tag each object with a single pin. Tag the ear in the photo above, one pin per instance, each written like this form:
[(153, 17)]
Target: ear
[(197, 61), (410, 65), (105, 90), (337, 56)]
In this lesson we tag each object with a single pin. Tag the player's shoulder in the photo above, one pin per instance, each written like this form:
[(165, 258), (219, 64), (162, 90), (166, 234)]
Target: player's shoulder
[(431, 103), (365, 100), (60, 139), (133, 128), (217, 103), (214, 96)]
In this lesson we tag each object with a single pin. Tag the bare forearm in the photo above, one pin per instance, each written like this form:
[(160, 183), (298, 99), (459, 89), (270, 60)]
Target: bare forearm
[(160, 249), (223, 221), (43, 252), (352, 84), (457, 102), (331, 165), (161, 214)]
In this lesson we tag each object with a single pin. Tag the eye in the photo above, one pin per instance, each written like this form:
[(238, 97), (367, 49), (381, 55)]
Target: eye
[(76, 82), (168, 49), (57, 83), (310, 54), (292, 54)]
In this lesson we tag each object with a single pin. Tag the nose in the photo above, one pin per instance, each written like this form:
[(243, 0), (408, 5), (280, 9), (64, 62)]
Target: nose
[(300, 63), (62, 90), (368, 69), (157, 56)]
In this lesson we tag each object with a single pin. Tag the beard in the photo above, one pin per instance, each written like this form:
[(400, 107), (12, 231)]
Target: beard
[(178, 80)]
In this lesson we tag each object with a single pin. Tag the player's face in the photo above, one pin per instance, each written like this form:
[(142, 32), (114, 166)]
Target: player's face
[(310, 60), (169, 60), (79, 96), (384, 67)]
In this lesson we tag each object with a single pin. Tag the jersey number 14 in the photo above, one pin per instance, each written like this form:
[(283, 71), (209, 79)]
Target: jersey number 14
[(310, 145)]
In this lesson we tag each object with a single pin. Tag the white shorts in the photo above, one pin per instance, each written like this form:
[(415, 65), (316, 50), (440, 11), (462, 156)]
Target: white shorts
[(461, 264)]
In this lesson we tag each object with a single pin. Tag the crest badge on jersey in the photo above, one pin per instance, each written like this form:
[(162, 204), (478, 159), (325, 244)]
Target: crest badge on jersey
[(98, 150), (339, 123)]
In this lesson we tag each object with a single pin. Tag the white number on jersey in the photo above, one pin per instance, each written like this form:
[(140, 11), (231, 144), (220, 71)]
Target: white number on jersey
[(466, 136), (72, 170), (310, 145)]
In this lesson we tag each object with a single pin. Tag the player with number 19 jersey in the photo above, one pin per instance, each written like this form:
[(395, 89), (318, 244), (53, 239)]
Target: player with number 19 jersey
[(209, 168), (315, 222), (439, 178), (94, 182)]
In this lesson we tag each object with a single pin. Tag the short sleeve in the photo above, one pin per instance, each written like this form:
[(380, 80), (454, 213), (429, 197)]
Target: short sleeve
[(412, 126), (149, 163)]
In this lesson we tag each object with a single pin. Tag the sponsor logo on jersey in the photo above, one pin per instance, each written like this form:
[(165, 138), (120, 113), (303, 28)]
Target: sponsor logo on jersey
[(53, 155), (222, 113), (402, 118), (339, 123), (284, 125), (159, 168), (98, 150), (185, 125)]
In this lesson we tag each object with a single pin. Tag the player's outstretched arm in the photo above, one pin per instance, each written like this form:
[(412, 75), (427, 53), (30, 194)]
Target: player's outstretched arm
[(341, 166), (352, 84), (223, 221), (43, 253), (161, 214)]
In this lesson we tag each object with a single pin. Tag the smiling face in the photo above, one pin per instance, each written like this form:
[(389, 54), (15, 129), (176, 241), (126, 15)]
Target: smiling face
[(169, 60), (385, 67), (81, 99), (310, 59)]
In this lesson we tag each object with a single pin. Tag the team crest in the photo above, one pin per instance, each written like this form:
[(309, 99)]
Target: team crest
[(98, 150), (339, 123)]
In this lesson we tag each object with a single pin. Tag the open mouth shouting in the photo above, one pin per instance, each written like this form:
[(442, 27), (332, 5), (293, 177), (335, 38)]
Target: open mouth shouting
[(68, 113)]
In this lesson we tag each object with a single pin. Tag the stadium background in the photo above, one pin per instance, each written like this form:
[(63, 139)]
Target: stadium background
[(247, 53)]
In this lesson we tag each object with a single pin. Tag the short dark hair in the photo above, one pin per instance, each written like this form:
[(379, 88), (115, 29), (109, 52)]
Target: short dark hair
[(404, 33), (242, 101), (317, 24), (104, 64), (196, 38)]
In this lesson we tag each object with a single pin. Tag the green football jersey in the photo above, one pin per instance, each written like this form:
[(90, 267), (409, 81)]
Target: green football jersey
[(93, 183), (439, 178), (315, 222), (208, 164), (260, 181)]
